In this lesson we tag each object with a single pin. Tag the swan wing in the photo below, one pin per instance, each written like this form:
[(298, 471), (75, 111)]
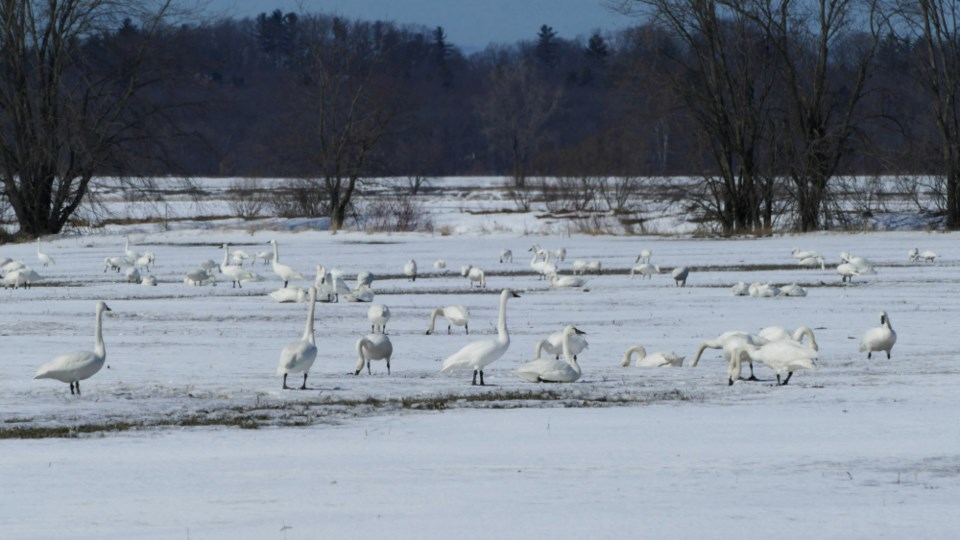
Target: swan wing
[(473, 355), (71, 366), (296, 356)]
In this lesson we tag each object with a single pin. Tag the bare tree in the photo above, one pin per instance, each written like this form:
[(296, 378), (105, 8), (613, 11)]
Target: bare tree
[(64, 116)]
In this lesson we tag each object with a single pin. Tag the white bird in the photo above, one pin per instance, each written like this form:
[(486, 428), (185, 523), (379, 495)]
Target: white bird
[(265, 256), (916, 255), (479, 354), (554, 345), (410, 270), (847, 271), (379, 316), (792, 290), (763, 290), (879, 338), (115, 263), (475, 275), (131, 254), (288, 295), (360, 295), (543, 268), (813, 262), (554, 370), (21, 277), (657, 359), (646, 270), (644, 256), (680, 274), (566, 282), (149, 281), (239, 256), (594, 267), (73, 367), (439, 264), (373, 347), (728, 342), (862, 265), (779, 333), (145, 260), (740, 289), (133, 275), (236, 274), (455, 315), (283, 271), (298, 357), (506, 256), (364, 280), (779, 356), (209, 265), (561, 254), (199, 277), (44, 258), (800, 255), (332, 285)]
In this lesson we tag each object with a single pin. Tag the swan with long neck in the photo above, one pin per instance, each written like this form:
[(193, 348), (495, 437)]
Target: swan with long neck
[(657, 359), (780, 356), (298, 357), (285, 272), (554, 345), (73, 367), (479, 354), (373, 347), (236, 274), (729, 341), (44, 258), (455, 315), (553, 370), (879, 338), (779, 333)]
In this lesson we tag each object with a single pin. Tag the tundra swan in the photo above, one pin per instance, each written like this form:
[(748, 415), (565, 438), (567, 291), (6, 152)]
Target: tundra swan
[(440, 264), (680, 274), (763, 290), (298, 357), (879, 338), (373, 347), (199, 277), (566, 282), (506, 256), (410, 270), (779, 333), (145, 260), (236, 274), (379, 316), (792, 290), (132, 275), (475, 275), (289, 295), (149, 281), (646, 270), (812, 262), (265, 256), (479, 354), (115, 263), (455, 315), (73, 367), (209, 264), (561, 254), (22, 277), (543, 268), (553, 370), (239, 256), (360, 295), (44, 258), (131, 254), (862, 265), (583, 266), (331, 285), (728, 341), (644, 256), (779, 356), (740, 289), (847, 271), (283, 271), (808, 254), (364, 280), (657, 359), (554, 345), (916, 255)]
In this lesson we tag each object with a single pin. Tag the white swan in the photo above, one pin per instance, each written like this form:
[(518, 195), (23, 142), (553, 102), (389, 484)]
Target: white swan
[(21, 277), (73, 367), (288, 295), (657, 359), (379, 316), (133, 275), (862, 265), (792, 290), (554, 345), (561, 254), (680, 274), (779, 333), (131, 254), (298, 357), (145, 260), (265, 256), (812, 262), (455, 315), (332, 285), (149, 281), (475, 275), (373, 347), (728, 342), (544, 267), (740, 289), (847, 271), (553, 370), (364, 280), (44, 258), (927, 255), (506, 256), (283, 271), (410, 270), (199, 277), (779, 356), (479, 354), (644, 256), (879, 338), (807, 254), (360, 295), (440, 264), (646, 270), (763, 290), (209, 264), (236, 274), (115, 263), (594, 267), (566, 282)]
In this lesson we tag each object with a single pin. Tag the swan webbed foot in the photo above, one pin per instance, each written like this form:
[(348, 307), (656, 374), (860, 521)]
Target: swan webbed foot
[(785, 381), (730, 381), (752, 378), (355, 373)]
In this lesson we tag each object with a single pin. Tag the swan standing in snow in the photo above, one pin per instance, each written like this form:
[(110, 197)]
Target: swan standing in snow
[(644, 256), (506, 256), (373, 347), (680, 274), (879, 338), (847, 271), (440, 264), (455, 315), (145, 260), (131, 254), (657, 359), (298, 357), (44, 258), (285, 272), (552, 370), (479, 354), (235, 274), (266, 256), (475, 275), (23, 276), (728, 342), (561, 254), (646, 270), (73, 367), (779, 333), (554, 345), (199, 277), (543, 268), (779, 356), (916, 255), (378, 315), (114, 263), (410, 270)]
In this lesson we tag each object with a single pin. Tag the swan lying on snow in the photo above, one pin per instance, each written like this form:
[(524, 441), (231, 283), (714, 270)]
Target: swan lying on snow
[(879, 338), (455, 315), (792, 290), (361, 295), (288, 295), (813, 262), (553, 370), (740, 289), (73, 367), (763, 290), (657, 359), (779, 356), (373, 347), (410, 270), (566, 282), (800, 255), (440, 264), (298, 356), (479, 354)]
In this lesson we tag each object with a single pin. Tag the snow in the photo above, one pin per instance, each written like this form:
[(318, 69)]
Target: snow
[(858, 448)]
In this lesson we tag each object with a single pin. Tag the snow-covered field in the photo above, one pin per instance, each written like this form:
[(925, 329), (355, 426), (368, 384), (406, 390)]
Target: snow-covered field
[(164, 447)]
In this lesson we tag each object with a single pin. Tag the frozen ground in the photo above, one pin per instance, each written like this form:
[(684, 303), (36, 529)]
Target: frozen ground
[(857, 449)]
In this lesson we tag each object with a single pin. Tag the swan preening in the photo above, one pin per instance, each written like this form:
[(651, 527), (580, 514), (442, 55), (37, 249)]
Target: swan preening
[(373, 347), (554, 345), (780, 356), (657, 359), (73, 367), (542, 267), (554, 370), (199, 277), (812, 262), (298, 357), (455, 315), (914, 255), (879, 338), (289, 295), (779, 333), (378, 315), (479, 354), (410, 270), (853, 266), (236, 274)]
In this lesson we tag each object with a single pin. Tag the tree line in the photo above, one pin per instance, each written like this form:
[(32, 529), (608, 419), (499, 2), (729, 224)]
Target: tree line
[(768, 105)]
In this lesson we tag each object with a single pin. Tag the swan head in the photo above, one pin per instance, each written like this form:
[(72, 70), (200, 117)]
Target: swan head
[(102, 306), (508, 293), (884, 318)]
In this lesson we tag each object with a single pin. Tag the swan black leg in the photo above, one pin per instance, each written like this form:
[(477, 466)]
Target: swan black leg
[(467, 327), (868, 354), (474, 383), (785, 381), (71, 388), (752, 376), (285, 387), (78, 387), (448, 329), (888, 355), (481, 378), (304, 385), (388, 366)]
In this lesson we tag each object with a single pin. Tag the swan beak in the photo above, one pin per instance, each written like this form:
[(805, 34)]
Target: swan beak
[(579, 331), (883, 319), (515, 295)]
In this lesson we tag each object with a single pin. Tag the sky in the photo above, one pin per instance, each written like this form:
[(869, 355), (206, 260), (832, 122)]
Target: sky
[(469, 24)]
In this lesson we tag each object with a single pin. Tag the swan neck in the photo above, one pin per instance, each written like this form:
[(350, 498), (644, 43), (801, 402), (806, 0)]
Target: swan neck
[(360, 359), (308, 330), (276, 253), (98, 346), (433, 319), (502, 322), (696, 359), (641, 353), (567, 357)]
